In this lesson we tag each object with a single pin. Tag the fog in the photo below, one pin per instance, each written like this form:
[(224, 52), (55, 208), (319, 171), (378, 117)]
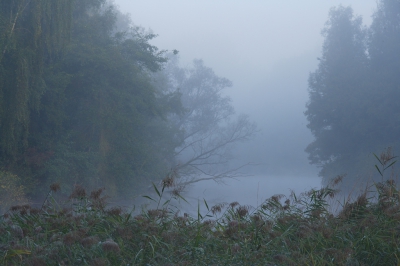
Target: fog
[(267, 49)]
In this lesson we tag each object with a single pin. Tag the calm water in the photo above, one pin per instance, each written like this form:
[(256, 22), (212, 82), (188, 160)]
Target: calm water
[(245, 190)]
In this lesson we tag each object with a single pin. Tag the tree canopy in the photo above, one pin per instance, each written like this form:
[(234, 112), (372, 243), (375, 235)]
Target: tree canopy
[(32, 33), (80, 107), (85, 99), (352, 109)]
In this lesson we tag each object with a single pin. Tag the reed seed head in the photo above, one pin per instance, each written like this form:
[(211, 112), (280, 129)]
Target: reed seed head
[(242, 211), (110, 246), (78, 193), (55, 187), (89, 241), (234, 204)]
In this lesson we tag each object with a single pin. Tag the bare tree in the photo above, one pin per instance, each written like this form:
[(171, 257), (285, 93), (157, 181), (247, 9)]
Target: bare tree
[(209, 127)]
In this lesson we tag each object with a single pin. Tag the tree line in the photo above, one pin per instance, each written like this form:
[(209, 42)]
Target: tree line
[(353, 109), (86, 99)]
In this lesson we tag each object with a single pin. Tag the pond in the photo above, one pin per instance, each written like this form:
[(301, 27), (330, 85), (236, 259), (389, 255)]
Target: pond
[(251, 190)]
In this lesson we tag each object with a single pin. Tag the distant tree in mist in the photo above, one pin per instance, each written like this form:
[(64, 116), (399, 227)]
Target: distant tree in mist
[(209, 127), (353, 105)]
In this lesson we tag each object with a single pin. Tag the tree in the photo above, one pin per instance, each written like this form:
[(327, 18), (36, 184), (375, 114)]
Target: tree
[(353, 108), (109, 113), (384, 53), (338, 94), (32, 33), (208, 126), (80, 107)]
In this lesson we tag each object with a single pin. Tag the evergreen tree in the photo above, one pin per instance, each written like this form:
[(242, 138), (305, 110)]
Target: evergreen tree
[(353, 108), (384, 52), (338, 95)]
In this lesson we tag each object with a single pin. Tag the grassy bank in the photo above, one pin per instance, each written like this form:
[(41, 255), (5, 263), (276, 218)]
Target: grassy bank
[(294, 230)]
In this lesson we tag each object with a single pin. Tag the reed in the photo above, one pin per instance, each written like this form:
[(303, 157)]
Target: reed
[(283, 230)]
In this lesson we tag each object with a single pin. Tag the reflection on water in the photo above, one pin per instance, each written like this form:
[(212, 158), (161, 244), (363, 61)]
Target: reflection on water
[(245, 190)]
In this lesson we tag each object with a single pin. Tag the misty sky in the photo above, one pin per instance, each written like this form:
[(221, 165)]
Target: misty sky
[(266, 48)]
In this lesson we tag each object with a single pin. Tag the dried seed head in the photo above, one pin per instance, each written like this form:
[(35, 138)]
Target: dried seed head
[(256, 218), (217, 208), (110, 246), (234, 204), (23, 212), (177, 191), (95, 194), (139, 217), (89, 241), (34, 211), (233, 224), (168, 181), (70, 238), (276, 198), (242, 211), (55, 187), (387, 155), (327, 232), (78, 193), (304, 231), (154, 213), (337, 180), (362, 200), (209, 223), (15, 208), (115, 211)]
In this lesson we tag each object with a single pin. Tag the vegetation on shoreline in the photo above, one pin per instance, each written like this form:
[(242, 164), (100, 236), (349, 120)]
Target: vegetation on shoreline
[(79, 103), (294, 230)]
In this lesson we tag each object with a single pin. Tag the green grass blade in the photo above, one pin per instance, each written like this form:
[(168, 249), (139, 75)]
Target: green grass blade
[(156, 189), (390, 165), (205, 202), (166, 202), (377, 168), (379, 160), (182, 198), (147, 197)]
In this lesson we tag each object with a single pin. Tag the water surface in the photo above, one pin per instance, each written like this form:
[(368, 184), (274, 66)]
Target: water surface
[(251, 191)]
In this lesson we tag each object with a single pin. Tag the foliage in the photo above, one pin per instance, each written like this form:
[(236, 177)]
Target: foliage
[(87, 112), (352, 95), (294, 230), (31, 33), (11, 191)]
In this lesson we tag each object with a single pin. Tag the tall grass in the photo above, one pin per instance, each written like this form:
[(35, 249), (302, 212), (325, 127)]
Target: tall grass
[(293, 230)]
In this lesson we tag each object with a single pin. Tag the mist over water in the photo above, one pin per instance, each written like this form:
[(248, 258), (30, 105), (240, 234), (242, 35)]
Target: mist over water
[(250, 190), (247, 191), (268, 51)]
